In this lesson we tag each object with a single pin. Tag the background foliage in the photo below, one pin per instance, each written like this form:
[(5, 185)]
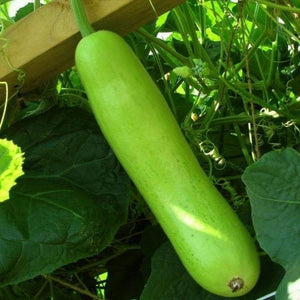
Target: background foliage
[(74, 226)]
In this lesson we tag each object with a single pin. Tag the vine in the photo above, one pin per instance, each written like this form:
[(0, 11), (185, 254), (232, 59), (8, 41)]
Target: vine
[(5, 103)]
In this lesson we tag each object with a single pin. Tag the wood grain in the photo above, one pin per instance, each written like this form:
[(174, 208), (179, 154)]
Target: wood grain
[(43, 43)]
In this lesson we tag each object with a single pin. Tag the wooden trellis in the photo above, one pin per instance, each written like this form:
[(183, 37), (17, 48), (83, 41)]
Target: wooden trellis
[(43, 43)]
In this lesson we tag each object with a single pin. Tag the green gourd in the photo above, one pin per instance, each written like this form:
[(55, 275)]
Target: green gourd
[(209, 238)]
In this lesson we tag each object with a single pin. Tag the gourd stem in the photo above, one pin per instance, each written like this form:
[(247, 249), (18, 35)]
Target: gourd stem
[(81, 18), (37, 4)]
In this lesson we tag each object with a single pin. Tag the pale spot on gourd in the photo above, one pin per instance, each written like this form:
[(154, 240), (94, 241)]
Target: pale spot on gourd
[(191, 221)]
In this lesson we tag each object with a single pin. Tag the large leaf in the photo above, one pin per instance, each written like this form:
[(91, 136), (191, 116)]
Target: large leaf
[(169, 279), (11, 161), (67, 144), (273, 185), (71, 200), (289, 287)]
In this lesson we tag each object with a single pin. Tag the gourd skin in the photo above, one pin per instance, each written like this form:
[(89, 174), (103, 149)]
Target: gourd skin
[(209, 238)]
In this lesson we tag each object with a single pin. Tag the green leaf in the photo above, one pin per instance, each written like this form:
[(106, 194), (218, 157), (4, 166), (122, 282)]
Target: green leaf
[(67, 144), (184, 71), (71, 200), (289, 288), (169, 279), (4, 1), (38, 289), (24, 11), (273, 186), (11, 161), (296, 3), (161, 20), (48, 224)]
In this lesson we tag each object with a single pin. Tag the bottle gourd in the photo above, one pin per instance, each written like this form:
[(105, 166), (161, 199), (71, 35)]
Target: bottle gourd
[(209, 238)]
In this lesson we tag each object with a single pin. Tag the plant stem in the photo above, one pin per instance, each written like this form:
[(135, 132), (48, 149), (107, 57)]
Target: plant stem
[(102, 262), (181, 23), (81, 18), (240, 137), (149, 37), (5, 102), (167, 88), (215, 106), (37, 4), (73, 287), (237, 119), (281, 26), (190, 24), (5, 19), (279, 6), (36, 296), (250, 53)]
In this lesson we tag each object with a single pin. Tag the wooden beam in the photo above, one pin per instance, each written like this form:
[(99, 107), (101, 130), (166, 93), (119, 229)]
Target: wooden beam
[(43, 43)]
